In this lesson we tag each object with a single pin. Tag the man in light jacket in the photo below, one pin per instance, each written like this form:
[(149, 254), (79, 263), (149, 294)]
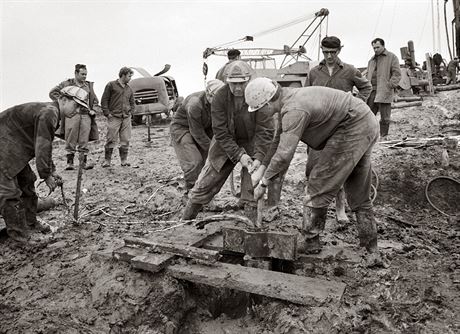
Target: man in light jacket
[(384, 74)]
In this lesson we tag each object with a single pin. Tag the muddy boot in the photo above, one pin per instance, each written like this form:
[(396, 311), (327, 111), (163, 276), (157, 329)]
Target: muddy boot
[(367, 229), (30, 208), (124, 156), (108, 157), (340, 214), (15, 220), (191, 211), (70, 165), (384, 128), (314, 220), (85, 163)]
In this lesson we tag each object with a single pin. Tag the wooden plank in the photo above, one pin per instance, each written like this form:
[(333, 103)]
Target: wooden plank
[(186, 236), (278, 245), (152, 262), (126, 253), (175, 248), (293, 288)]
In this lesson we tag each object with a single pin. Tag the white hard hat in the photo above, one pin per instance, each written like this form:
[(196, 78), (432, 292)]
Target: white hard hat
[(238, 71), (259, 92), (78, 94), (213, 85)]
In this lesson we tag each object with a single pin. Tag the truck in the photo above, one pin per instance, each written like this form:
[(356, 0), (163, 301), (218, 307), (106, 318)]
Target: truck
[(154, 94)]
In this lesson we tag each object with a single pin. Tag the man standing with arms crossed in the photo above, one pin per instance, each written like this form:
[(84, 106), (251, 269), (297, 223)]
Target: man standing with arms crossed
[(118, 105), (384, 74), (78, 129)]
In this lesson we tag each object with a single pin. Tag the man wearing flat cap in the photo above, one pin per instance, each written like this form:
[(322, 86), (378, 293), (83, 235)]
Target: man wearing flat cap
[(332, 72), (232, 54)]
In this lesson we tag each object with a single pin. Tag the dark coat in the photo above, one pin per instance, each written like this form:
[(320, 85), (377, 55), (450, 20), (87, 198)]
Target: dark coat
[(27, 132), (253, 138)]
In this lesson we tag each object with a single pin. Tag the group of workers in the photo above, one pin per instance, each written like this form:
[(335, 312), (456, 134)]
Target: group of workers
[(27, 131), (238, 118), (257, 123)]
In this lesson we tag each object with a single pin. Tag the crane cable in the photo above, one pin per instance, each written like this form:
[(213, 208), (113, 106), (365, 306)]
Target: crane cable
[(447, 30), (427, 195)]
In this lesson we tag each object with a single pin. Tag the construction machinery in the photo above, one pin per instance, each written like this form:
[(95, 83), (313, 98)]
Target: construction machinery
[(295, 65), (154, 94)]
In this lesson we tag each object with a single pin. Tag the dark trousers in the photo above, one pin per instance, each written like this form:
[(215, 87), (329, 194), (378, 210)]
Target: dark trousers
[(385, 113)]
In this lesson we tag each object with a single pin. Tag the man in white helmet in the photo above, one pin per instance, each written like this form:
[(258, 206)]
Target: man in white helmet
[(239, 136), (340, 125), (191, 131), (27, 132)]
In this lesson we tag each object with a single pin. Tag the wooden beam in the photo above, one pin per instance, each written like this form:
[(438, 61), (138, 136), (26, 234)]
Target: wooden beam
[(174, 248), (399, 105), (278, 245), (296, 289)]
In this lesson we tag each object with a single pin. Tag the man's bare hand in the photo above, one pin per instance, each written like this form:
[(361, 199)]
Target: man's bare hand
[(51, 183), (257, 175), (255, 164), (259, 191), (246, 161)]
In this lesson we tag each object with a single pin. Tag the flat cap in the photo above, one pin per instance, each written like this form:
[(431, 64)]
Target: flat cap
[(331, 42)]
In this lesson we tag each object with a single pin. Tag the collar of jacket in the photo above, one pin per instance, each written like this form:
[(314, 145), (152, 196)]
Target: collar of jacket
[(339, 63), (384, 53), (56, 104)]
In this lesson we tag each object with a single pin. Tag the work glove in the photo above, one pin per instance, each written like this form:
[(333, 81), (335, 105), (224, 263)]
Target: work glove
[(58, 179), (257, 175), (259, 191), (246, 161), (255, 164), (51, 183), (92, 113)]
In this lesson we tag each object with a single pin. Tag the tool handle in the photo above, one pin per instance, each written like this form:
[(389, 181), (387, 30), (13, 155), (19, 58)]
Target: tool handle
[(260, 207)]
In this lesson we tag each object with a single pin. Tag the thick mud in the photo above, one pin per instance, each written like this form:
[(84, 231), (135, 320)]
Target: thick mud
[(72, 285)]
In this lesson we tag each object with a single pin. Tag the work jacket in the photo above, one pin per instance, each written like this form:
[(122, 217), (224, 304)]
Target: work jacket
[(388, 75), (253, 136), (194, 116), (27, 131), (117, 100), (344, 77), (310, 115), (55, 93)]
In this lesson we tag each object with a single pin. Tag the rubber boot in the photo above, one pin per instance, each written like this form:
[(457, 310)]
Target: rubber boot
[(367, 229), (314, 221), (15, 220), (384, 128), (108, 157), (124, 156), (191, 211), (70, 165), (30, 207), (85, 163)]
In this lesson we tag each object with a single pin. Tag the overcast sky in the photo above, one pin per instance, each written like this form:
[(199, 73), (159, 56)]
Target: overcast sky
[(41, 41)]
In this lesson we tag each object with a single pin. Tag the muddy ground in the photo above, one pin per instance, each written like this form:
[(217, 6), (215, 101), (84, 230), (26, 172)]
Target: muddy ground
[(71, 285)]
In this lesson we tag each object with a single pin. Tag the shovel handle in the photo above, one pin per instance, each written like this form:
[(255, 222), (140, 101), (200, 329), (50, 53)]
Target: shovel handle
[(260, 207)]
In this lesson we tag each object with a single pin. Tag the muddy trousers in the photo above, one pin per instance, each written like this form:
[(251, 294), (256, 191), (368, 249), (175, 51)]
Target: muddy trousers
[(451, 77), (18, 201), (118, 128), (77, 129), (210, 181), (191, 158), (385, 113), (345, 162)]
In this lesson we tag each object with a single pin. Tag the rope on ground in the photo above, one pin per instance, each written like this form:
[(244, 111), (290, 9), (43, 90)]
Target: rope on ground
[(427, 189)]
